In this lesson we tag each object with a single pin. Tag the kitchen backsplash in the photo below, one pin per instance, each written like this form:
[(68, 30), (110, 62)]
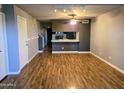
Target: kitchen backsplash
[(64, 35)]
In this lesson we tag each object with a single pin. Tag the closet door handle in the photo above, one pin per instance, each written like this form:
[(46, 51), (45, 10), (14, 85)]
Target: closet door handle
[(26, 43), (1, 51)]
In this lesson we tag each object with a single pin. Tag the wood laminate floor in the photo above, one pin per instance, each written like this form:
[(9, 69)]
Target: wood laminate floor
[(70, 71)]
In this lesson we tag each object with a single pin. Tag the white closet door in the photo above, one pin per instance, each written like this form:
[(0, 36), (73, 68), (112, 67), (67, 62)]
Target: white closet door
[(22, 37), (2, 48)]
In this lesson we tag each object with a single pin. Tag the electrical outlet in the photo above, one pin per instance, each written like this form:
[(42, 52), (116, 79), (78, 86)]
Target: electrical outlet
[(109, 57), (62, 48)]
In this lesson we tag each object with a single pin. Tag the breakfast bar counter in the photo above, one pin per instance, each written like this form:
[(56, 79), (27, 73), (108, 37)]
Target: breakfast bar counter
[(65, 40)]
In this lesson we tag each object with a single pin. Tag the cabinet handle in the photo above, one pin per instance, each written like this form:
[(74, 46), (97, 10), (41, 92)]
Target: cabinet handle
[(1, 51)]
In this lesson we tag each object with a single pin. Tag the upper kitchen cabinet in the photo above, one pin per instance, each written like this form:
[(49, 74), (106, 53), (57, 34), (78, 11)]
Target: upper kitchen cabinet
[(64, 26)]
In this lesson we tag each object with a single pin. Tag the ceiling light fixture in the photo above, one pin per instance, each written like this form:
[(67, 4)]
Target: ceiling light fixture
[(73, 21), (55, 10), (64, 10), (84, 10)]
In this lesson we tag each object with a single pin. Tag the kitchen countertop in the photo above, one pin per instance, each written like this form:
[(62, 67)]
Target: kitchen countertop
[(65, 40)]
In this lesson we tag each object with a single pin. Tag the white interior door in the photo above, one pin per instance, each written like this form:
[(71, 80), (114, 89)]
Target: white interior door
[(22, 37), (2, 48)]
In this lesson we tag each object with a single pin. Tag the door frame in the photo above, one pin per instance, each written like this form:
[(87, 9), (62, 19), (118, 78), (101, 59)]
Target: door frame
[(5, 43)]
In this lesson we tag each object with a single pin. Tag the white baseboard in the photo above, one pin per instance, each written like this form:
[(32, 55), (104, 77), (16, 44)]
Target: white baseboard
[(33, 56), (70, 52), (115, 67), (56, 52), (41, 51), (84, 52), (14, 73)]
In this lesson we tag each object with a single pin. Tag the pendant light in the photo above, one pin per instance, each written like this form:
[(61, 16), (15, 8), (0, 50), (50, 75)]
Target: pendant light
[(73, 21)]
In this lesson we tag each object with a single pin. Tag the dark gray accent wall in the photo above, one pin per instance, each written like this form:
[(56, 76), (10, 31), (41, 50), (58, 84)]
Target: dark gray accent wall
[(84, 37), (68, 46), (0, 7), (12, 38), (63, 26)]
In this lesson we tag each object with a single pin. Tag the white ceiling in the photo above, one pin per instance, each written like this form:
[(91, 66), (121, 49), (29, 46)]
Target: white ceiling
[(46, 12)]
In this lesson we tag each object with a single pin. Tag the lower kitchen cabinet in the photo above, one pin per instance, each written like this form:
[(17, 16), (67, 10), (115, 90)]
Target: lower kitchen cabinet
[(65, 46)]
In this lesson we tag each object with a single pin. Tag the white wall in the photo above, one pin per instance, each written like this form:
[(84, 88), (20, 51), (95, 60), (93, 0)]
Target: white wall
[(107, 37), (32, 31)]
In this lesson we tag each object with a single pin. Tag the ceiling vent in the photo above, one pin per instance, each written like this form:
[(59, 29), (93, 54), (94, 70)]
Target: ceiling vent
[(85, 21)]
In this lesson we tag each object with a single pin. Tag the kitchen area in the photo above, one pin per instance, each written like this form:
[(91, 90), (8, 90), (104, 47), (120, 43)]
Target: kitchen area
[(65, 41), (68, 37)]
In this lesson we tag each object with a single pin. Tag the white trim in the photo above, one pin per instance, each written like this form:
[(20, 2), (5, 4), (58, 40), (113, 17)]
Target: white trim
[(84, 52), (40, 51), (14, 73), (115, 67), (6, 46), (71, 52), (18, 72), (56, 52), (32, 57)]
